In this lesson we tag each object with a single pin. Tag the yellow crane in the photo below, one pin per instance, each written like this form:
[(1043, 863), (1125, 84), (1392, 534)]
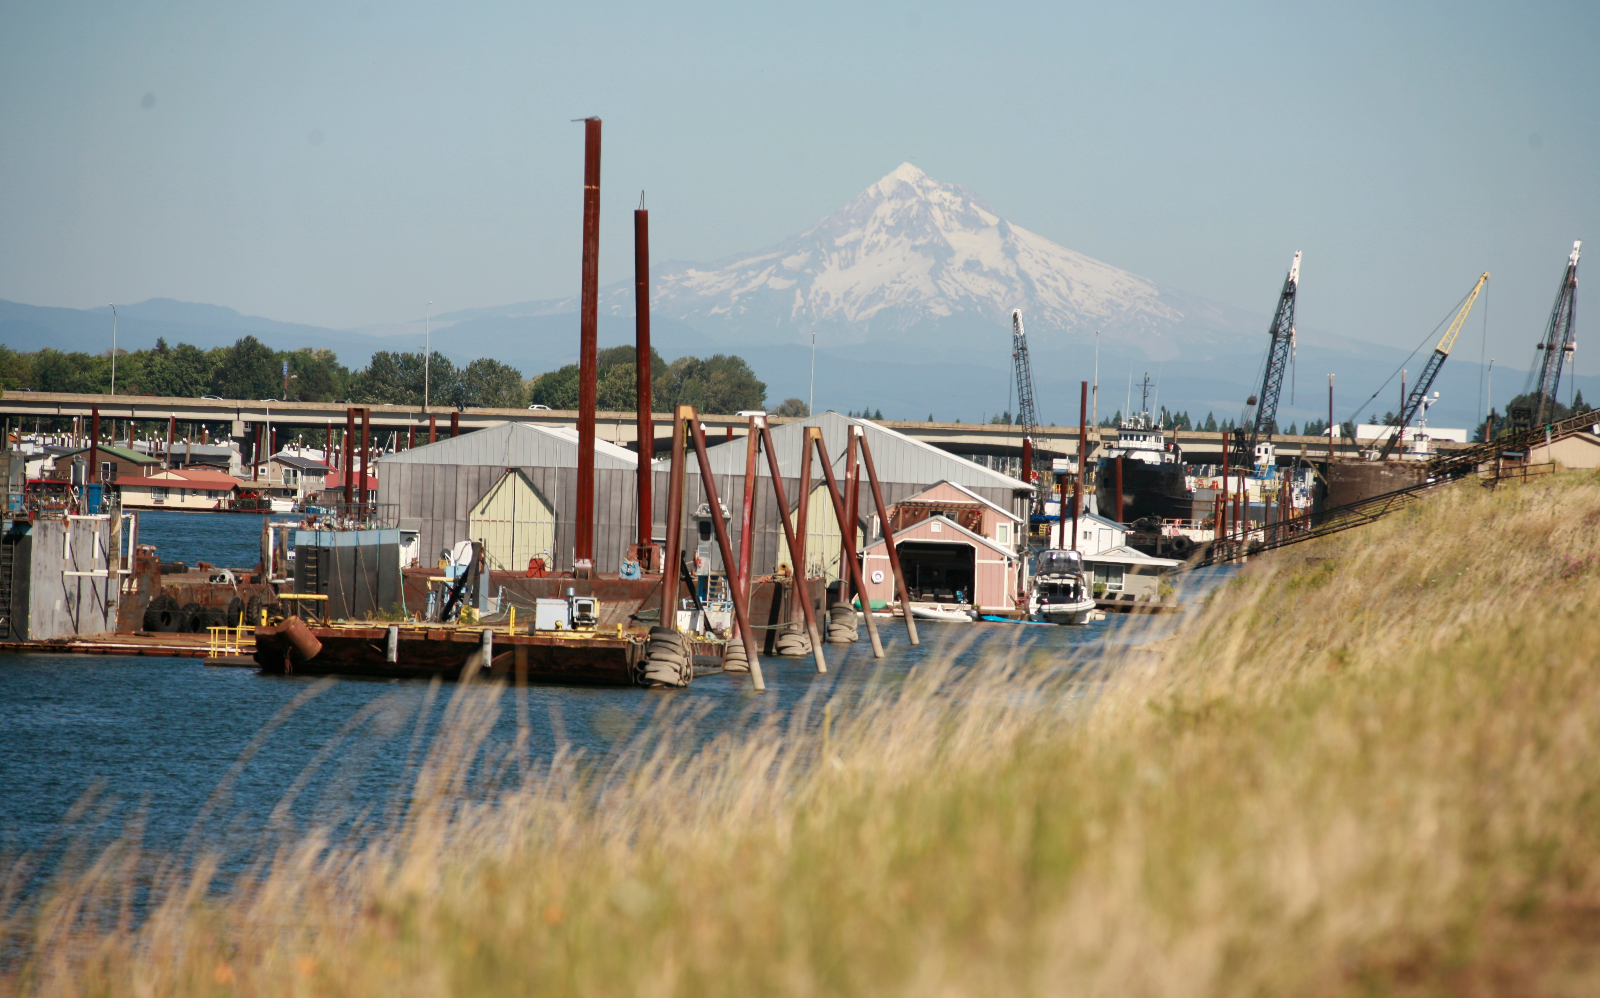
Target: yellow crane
[(1419, 395)]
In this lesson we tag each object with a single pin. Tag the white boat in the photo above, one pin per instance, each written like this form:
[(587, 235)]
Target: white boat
[(950, 613), (1061, 593)]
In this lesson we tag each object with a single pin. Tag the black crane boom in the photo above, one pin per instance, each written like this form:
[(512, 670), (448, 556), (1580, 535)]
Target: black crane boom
[(1266, 403), (1558, 343)]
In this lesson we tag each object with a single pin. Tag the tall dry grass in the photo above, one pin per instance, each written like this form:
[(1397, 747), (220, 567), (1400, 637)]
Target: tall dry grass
[(1370, 766)]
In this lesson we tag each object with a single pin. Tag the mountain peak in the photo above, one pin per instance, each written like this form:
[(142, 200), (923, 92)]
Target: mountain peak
[(905, 173), (910, 251)]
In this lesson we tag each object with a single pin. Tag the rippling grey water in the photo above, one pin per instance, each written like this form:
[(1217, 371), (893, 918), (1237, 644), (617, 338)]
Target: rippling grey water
[(153, 737)]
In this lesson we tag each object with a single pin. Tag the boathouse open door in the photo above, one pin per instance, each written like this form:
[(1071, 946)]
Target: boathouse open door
[(822, 538), (937, 572), (514, 523)]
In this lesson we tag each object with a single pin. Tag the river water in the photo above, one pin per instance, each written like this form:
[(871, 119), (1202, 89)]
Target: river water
[(152, 738)]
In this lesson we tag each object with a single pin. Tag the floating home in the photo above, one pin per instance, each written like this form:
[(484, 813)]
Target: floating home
[(955, 546)]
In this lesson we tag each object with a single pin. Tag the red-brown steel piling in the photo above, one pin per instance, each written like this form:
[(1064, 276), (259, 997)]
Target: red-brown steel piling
[(455, 424), (847, 539), (801, 592), (741, 607), (1227, 483), (433, 427), (1083, 462), (888, 537), (1118, 513), (366, 459), (589, 304), (852, 506), (747, 507), (644, 427), (330, 457), (349, 454), (92, 472), (802, 514), (673, 557)]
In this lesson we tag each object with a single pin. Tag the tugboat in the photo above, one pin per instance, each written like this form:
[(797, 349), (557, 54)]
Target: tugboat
[(1061, 592), (1154, 478)]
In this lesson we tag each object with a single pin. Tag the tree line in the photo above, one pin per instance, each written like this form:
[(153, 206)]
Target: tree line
[(249, 369)]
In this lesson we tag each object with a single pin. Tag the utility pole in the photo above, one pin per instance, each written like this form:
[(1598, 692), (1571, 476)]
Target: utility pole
[(113, 349), (1095, 415), (427, 352)]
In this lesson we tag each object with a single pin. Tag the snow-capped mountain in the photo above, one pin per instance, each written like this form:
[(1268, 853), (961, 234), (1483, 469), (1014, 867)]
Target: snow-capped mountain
[(916, 261)]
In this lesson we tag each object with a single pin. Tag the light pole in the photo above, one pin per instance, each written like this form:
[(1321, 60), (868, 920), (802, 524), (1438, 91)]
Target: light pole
[(811, 399), (1486, 426), (427, 351), (113, 349)]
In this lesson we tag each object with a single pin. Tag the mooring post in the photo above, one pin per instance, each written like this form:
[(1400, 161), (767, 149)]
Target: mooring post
[(747, 505), (349, 454), (644, 424), (888, 538), (583, 535), (93, 470), (366, 459), (674, 548), (802, 594), (1083, 463), (741, 608), (1227, 484), (847, 546), (802, 514), (852, 505)]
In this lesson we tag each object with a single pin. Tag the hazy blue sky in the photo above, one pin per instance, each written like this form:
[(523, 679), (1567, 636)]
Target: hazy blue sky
[(341, 163)]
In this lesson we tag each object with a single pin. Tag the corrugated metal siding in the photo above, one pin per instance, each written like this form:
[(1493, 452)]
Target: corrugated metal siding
[(512, 445), (898, 458)]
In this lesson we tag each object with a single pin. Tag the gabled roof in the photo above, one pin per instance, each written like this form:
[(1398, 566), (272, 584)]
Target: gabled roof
[(297, 461), (969, 535), (185, 479), (517, 445), (971, 496), (121, 453), (335, 480), (1124, 555), (898, 458), (1101, 520)]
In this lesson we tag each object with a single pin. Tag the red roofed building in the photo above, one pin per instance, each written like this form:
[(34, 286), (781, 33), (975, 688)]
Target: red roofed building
[(194, 488), (333, 488)]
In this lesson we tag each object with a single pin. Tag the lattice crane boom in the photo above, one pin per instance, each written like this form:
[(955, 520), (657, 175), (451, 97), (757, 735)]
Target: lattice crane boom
[(1558, 343), (1415, 400), (1027, 415), (1278, 349)]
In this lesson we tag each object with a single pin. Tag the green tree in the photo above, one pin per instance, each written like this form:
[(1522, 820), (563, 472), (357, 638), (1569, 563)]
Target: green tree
[(16, 369), (318, 375), (247, 370), (797, 407), (1211, 423), (183, 371), (719, 385), (490, 383), (80, 373)]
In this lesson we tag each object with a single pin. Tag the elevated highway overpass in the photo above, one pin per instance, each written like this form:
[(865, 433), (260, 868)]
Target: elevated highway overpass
[(239, 418)]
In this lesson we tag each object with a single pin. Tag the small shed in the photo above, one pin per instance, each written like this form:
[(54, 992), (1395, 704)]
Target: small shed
[(1581, 450), (1095, 533), (944, 562), (1123, 573), (115, 462)]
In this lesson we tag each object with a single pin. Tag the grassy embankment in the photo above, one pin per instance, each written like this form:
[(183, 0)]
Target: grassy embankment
[(1371, 766)]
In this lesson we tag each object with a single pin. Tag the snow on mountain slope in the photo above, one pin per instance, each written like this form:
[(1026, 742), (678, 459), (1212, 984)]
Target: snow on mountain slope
[(913, 262), (906, 251)]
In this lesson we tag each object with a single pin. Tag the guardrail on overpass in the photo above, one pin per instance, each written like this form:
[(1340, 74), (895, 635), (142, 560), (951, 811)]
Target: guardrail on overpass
[(241, 415)]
